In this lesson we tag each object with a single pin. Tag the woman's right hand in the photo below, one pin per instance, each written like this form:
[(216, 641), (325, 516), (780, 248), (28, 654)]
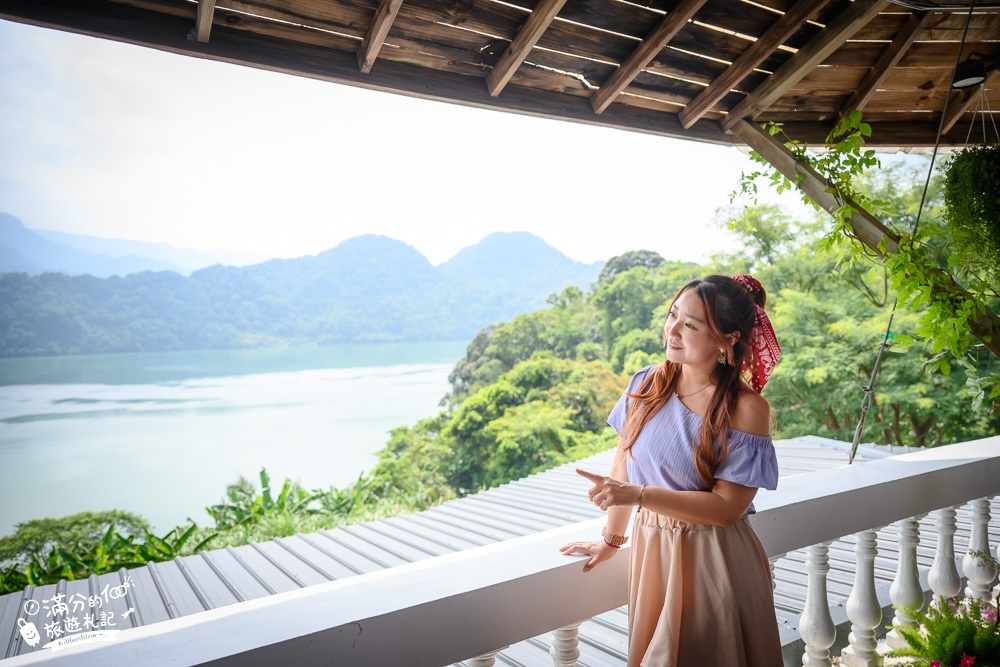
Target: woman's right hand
[(598, 551)]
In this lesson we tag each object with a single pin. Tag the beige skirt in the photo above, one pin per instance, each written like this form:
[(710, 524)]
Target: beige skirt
[(699, 596)]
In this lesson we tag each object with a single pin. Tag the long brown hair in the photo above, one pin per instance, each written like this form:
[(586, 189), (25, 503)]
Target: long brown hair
[(729, 308)]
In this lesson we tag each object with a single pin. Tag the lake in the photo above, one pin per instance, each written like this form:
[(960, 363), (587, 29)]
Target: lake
[(162, 434)]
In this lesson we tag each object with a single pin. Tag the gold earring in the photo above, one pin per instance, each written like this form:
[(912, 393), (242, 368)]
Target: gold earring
[(722, 356)]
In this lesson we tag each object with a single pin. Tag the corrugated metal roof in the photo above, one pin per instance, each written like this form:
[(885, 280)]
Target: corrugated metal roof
[(550, 499)]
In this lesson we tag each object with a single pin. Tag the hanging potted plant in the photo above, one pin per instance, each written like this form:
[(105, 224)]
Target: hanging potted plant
[(972, 207)]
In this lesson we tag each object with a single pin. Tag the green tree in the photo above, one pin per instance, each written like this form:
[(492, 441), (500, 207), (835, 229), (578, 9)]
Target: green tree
[(629, 260), (76, 532)]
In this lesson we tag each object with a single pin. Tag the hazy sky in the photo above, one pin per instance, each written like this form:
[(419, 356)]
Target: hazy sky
[(113, 140)]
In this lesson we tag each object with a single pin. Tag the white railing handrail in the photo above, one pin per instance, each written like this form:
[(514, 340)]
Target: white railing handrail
[(875, 493), (442, 610)]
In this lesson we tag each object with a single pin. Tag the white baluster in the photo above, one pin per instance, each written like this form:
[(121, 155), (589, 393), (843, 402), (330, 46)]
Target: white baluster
[(862, 606), (996, 589), (565, 649), (979, 574), (484, 660), (943, 576), (906, 591), (771, 561), (816, 624)]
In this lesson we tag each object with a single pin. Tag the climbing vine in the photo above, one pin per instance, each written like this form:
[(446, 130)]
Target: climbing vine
[(925, 266)]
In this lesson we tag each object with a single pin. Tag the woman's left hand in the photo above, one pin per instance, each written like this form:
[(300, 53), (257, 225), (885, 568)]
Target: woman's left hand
[(608, 492)]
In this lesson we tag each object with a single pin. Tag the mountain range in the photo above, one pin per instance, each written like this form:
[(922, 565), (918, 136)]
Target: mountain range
[(36, 251), (368, 288)]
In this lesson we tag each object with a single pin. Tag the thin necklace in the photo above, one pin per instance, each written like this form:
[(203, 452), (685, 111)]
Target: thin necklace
[(683, 396)]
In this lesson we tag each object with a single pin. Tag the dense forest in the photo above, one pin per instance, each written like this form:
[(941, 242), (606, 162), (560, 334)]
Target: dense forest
[(367, 289), (534, 391)]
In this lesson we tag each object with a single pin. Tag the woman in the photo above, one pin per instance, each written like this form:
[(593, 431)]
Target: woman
[(694, 446)]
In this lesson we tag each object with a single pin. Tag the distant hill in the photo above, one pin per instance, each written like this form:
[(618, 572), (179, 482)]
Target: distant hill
[(369, 288), (37, 251)]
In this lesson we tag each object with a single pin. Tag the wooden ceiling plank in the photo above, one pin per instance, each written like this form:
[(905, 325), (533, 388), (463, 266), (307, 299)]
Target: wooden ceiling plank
[(964, 100), (815, 52), (661, 35), (777, 34), (887, 61), (529, 34), (203, 21), (385, 14), (123, 22)]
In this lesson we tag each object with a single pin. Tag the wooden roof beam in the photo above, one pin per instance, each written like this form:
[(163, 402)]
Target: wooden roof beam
[(385, 14), (648, 49), (203, 22), (777, 34), (838, 31), (867, 228), (889, 59), (541, 17), (965, 99)]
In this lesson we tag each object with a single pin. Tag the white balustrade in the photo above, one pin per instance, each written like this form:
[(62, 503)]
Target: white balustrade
[(980, 574), (484, 660), (905, 591), (816, 624), (863, 607), (443, 610), (565, 649), (771, 561), (943, 576)]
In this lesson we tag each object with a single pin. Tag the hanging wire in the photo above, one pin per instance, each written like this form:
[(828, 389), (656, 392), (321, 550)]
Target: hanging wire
[(869, 388), (984, 110)]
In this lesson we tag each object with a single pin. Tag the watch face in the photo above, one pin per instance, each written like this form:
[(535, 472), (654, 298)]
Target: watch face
[(615, 540)]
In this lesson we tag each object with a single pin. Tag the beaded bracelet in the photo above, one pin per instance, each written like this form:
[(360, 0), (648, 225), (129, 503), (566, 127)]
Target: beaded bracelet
[(641, 489)]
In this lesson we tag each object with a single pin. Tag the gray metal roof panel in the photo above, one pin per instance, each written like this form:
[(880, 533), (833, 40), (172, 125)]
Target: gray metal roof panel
[(267, 574), (446, 526), (10, 611), (447, 536), (523, 505), (514, 527), (213, 589), (149, 606), (350, 559), (326, 566), (233, 575), (428, 542), (407, 551), (520, 520), (180, 599), (290, 565)]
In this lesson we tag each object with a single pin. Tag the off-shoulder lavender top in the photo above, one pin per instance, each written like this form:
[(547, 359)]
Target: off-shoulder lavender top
[(663, 454)]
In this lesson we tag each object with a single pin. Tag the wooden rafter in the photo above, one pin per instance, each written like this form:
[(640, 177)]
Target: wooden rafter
[(964, 100), (433, 60), (867, 228), (385, 14), (541, 16), (778, 34), (654, 42), (889, 59), (808, 57), (203, 21)]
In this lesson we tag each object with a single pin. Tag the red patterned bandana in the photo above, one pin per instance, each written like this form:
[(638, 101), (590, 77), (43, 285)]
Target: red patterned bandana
[(766, 350)]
